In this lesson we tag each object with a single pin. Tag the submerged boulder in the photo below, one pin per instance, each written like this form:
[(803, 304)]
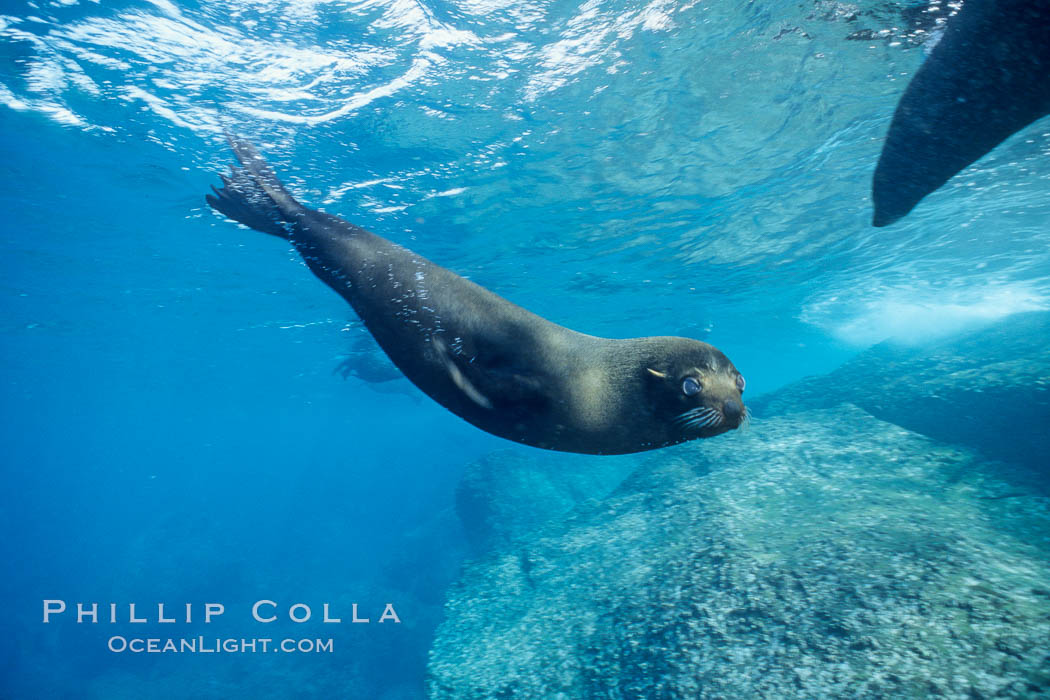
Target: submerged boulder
[(988, 389), (511, 493), (829, 554)]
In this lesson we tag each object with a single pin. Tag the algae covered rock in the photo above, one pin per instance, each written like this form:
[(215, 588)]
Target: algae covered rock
[(822, 554), (510, 493), (989, 389)]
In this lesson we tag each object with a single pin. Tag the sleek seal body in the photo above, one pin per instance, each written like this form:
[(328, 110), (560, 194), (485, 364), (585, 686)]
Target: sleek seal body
[(491, 362), (988, 77)]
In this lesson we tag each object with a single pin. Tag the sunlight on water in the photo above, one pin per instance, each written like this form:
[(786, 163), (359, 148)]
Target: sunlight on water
[(653, 156), (918, 315)]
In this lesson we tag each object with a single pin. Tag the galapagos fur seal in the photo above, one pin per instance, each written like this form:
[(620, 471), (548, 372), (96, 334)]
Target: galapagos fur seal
[(988, 77), (489, 361)]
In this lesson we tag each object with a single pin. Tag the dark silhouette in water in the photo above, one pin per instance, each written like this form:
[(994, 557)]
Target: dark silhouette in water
[(491, 362), (365, 362), (988, 77)]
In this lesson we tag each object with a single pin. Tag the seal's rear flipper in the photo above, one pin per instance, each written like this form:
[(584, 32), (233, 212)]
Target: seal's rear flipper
[(988, 77), (252, 194)]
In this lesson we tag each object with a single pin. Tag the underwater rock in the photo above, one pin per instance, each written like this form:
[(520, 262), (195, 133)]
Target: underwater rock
[(510, 493), (827, 554), (989, 389)]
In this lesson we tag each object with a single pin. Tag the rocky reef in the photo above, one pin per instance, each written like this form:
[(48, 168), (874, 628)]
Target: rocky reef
[(826, 552), (509, 494), (988, 389)]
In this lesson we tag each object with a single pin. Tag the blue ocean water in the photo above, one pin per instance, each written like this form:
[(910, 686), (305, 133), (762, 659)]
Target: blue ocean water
[(175, 427)]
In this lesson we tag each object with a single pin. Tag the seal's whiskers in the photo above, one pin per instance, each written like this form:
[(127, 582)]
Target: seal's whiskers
[(701, 417), (693, 415), (745, 422)]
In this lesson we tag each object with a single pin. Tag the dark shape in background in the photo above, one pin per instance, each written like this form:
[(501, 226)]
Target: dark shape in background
[(988, 77), (368, 363)]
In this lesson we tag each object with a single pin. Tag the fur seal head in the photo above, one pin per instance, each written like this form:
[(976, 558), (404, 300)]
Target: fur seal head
[(695, 390)]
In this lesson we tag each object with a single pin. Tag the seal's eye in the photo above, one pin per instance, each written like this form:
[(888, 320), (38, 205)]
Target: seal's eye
[(690, 387), (740, 383)]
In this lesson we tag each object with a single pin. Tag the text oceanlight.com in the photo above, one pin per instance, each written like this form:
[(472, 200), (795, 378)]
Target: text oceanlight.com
[(204, 645), (262, 612)]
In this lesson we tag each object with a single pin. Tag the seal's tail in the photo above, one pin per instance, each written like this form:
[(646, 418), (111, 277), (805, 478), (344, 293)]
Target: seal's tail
[(252, 194)]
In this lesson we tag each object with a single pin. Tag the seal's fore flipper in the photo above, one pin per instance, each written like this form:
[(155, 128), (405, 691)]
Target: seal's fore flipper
[(988, 77), (488, 380), (456, 375), (253, 195)]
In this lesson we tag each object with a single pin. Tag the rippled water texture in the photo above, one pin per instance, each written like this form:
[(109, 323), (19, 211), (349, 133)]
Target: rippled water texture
[(719, 153)]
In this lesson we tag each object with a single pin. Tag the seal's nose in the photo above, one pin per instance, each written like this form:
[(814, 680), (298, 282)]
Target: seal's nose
[(732, 410)]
